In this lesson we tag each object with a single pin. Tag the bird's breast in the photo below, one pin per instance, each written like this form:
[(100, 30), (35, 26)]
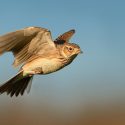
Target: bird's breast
[(49, 66)]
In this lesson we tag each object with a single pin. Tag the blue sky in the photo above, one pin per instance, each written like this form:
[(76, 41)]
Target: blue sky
[(100, 29)]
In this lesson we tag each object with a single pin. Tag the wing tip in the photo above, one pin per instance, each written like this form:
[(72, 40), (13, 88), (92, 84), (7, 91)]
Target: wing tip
[(65, 37)]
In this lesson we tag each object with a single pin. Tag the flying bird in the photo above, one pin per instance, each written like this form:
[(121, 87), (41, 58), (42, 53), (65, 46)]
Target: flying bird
[(36, 52)]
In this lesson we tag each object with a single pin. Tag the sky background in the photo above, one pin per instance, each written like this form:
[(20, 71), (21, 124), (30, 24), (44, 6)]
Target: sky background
[(97, 74)]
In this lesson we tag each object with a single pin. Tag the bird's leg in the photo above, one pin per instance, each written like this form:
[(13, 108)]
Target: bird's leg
[(33, 72), (29, 73)]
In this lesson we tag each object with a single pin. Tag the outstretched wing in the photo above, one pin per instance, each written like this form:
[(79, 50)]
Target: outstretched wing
[(64, 37), (26, 42)]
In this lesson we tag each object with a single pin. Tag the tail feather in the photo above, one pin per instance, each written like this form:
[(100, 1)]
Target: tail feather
[(16, 85)]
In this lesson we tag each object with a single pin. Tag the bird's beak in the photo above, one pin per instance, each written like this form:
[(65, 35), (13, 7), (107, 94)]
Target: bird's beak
[(79, 52)]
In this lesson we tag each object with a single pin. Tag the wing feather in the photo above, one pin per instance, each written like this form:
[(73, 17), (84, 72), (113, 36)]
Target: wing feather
[(41, 43), (65, 37), (25, 43)]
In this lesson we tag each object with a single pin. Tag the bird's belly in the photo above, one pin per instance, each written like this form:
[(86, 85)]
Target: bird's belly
[(46, 65), (49, 66)]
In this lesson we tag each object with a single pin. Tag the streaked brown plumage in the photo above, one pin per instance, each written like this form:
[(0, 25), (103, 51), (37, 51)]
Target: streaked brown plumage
[(34, 48)]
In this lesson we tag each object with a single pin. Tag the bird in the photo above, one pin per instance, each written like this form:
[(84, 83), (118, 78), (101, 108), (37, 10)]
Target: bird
[(37, 53)]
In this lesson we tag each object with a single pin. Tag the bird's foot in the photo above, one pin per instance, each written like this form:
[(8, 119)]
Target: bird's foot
[(29, 73)]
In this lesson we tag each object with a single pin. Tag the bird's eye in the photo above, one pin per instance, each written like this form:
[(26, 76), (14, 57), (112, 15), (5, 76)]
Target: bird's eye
[(70, 48)]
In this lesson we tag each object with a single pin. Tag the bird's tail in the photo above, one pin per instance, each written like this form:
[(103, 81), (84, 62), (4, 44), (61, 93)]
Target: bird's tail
[(16, 85)]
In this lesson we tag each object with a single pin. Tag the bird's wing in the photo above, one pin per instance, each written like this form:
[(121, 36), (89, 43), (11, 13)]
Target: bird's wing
[(26, 42), (64, 37)]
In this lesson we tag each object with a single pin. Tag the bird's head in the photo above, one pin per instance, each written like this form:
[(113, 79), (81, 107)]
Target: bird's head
[(70, 50), (67, 50)]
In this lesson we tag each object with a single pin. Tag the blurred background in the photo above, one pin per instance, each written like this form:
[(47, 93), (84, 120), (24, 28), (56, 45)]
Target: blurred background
[(89, 91)]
